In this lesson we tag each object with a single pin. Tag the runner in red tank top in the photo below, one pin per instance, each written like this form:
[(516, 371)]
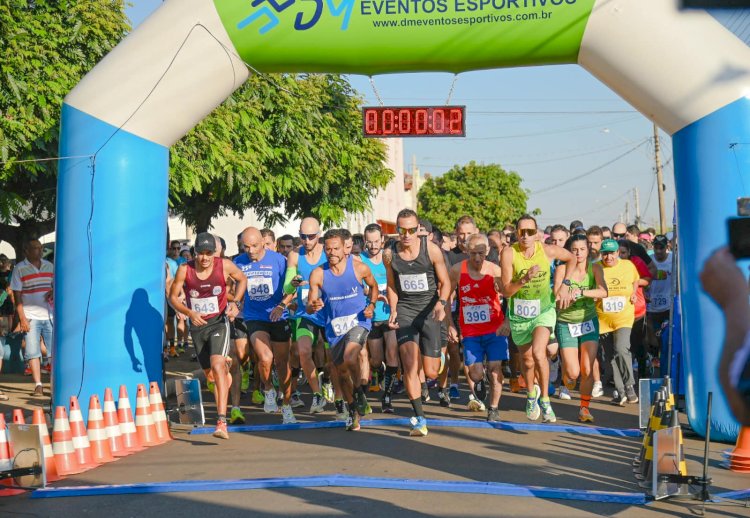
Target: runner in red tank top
[(483, 331), (205, 283)]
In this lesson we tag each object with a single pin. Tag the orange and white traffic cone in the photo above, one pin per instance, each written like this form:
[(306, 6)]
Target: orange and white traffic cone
[(98, 433), (158, 413), (740, 456), (130, 438), (144, 421), (62, 445), (112, 426), (49, 455), (6, 462), (18, 417), (80, 436)]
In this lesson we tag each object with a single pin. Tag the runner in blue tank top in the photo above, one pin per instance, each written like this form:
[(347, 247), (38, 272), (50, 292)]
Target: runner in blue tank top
[(336, 293)]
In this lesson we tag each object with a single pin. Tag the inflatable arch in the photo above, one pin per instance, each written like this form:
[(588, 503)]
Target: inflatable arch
[(683, 70)]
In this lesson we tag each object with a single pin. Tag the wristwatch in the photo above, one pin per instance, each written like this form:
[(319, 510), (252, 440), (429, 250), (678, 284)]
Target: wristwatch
[(567, 283), (443, 302)]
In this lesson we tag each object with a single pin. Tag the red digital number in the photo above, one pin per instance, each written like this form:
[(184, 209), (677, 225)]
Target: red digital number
[(404, 122), (438, 121), (420, 124), (371, 122), (388, 124), (456, 122)]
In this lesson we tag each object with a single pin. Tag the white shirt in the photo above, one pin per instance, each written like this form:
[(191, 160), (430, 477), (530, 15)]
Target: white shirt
[(34, 284), (660, 291)]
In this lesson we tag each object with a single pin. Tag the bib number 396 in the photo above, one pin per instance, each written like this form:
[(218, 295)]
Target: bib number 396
[(526, 308), (476, 314), (613, 304)]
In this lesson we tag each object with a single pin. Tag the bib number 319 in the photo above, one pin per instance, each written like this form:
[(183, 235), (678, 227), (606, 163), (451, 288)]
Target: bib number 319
[(613, 304)]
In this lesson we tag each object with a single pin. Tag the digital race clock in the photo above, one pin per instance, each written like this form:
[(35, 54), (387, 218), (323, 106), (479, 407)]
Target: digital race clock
[(414, 121)]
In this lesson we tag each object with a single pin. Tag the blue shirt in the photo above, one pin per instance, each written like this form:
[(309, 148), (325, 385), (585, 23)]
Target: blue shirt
[(345, 302), (265, 280), (172, 266), (382, 310), (304, 269)]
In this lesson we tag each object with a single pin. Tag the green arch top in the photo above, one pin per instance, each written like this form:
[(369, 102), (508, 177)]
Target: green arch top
[(380, 36)]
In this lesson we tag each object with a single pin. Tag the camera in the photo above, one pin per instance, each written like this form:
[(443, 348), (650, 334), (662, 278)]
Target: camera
[(739, 230)]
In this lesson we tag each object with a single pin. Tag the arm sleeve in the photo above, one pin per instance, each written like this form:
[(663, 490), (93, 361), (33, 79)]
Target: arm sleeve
[(291, 273)]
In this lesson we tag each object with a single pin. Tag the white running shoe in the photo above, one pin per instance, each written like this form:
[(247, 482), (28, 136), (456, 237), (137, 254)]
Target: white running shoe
[(287, 415), (318, 404), (269, 404), (564, 393), (598, 390), (476, 405)]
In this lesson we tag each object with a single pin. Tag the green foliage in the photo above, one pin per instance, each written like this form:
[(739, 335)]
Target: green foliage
[(284, 146), (491, 195)]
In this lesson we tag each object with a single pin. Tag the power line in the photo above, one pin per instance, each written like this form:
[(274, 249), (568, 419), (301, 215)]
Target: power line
[(576, 112), (551, 132)]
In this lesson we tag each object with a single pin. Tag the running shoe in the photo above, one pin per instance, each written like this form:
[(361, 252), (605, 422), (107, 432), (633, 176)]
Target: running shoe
[(363, 407), (398, 387), (47, 367), (480, 389), (269, 404), (432, 383), (564, 393), (193, 357), (475, 405), (532, 404), (548, 415), (454, 393), (221, 430), (445, 398), (245, 383), (493, 415), (173, 351), (257, 398), (598, 390), (181, 348), (296, 400), (352, 422), (554, 369), (318, 404), (515, 387), (328, 393), (287, 415), (630, 394), (619, 399), (418, 427), (27, 370), (386, 405), (585, 416), (341, 412), (236, 416), (551, 389), (38, 391)]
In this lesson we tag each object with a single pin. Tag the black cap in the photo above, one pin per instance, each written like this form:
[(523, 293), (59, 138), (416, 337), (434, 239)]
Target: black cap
[(661, 240), (205, 242), (575, 224)]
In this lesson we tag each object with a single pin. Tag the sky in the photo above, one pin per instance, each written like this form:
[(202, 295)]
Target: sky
[(570, 124)]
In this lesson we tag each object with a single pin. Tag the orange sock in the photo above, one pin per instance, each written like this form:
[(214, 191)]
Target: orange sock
[(585, 400)]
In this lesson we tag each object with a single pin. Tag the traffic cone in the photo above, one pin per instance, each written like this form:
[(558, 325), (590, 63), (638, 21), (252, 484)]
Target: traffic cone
[(6, 462), (160, 416), (144, 421), (80, 437), (18, 417), (130, 438), (62, 445), (740, 456), (98, 433), (49, 455), (112, 426)]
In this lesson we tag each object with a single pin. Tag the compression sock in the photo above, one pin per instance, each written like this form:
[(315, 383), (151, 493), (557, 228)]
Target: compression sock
[(416, 404)]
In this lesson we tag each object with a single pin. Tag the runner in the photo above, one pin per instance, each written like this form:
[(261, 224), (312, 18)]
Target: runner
[(415, 267), (638, 335), (205, 283), (595, 236), (616, 315), (526, 281), (269, 239), (382, 339), (265, 314), (578, 325), (660, 292), (308, 327), (336, 287), (285, 245), (478, 283), (620, 231)]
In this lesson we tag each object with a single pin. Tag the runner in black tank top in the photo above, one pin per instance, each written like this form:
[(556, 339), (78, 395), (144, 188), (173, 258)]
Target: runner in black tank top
[(415, 270)]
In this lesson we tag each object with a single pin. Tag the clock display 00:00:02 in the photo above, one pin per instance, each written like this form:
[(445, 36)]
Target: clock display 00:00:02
[(414, 121)]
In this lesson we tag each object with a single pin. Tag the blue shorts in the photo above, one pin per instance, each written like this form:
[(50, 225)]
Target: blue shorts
[(491, 346)]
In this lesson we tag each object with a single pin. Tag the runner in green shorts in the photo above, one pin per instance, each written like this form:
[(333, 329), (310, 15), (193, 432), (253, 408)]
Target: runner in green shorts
[(578, 325), (526, 282)]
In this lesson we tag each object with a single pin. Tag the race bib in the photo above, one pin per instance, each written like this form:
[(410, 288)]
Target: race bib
[(526, 308), (341, 325), (613, 304), (659, 302), (414, 282), (382, 289), (581, 329), (259, 288), (304, 292), (476, 314), (206, 306)]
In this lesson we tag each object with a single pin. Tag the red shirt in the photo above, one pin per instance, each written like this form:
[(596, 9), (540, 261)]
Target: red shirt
[(640, 303), (480, 311), (206, 296)]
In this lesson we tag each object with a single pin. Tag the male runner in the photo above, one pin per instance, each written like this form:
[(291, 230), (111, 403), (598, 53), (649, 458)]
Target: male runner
[(336, 287), (205, 284), (620, 231), (526, 281), (285, 245), (660, 291), (269, 238), (415, 268), (478, 282), (265, 318)]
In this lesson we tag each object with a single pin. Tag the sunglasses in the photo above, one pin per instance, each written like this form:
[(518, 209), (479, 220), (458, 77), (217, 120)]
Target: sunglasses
[(307, 237), (526, 232), (618, 236), (407, 231)]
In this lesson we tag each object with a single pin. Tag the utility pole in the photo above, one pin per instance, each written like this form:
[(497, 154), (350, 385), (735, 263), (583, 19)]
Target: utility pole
[(660, 183), (637, 207), (627, 212)]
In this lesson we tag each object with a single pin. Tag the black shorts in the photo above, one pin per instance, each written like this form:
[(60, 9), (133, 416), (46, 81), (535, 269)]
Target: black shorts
[(357, 335), (279, 331), (211, 340), (237, 329), (379, 329), (424, 330), (171, 313)]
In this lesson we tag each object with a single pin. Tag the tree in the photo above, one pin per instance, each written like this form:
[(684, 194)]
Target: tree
[(283, 146), (45, 50), (491, 195)]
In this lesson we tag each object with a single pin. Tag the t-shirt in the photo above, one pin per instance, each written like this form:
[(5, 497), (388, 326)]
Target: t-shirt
[(616, 311), (265, 280), (172, 266), (639, 251), (640, 303), (34, 284), (660, 290)]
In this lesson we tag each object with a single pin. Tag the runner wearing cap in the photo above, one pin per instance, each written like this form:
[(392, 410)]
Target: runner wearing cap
[(660, 291), (616, 315), (205, 284)]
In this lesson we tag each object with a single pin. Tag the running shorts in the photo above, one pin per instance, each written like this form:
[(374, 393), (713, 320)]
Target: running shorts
[(588, 331), (522, 330), (279, 331), (211, 340), (490, 346), (357, 335)]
